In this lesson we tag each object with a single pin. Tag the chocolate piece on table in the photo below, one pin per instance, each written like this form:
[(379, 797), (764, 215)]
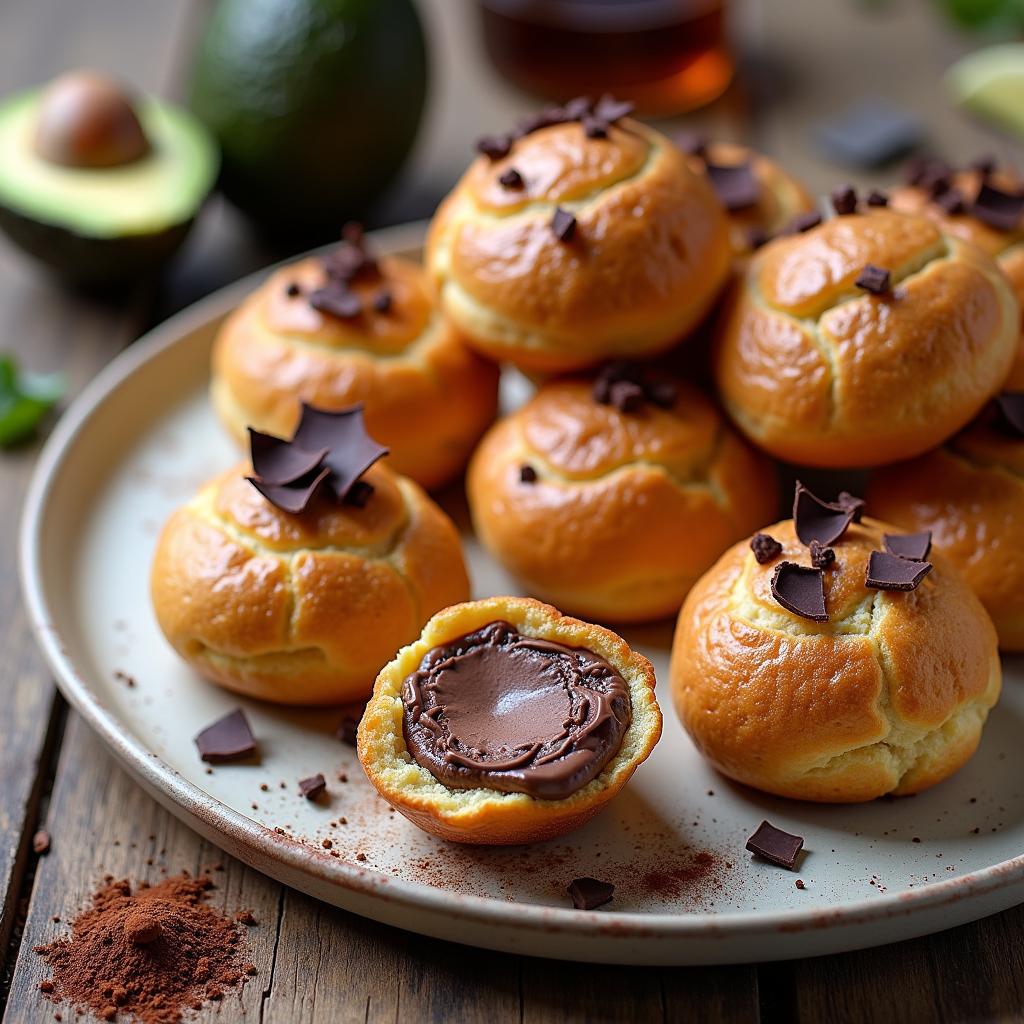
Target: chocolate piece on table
[(313, 787), (800, 589), (771, 843), (527, 474), (337, 301), (998, 209), (875, 280), (590, 893), (913, 546), (1010, 406), (691, 143), (382, 301), (230, 738), (511, 179), (851, 502), (734, 184), (844, 200), (814, 519), (803, 222), (868, 134), (765, 547), (876, 198), (821, 556), (891, 572), (494, 146), (278, 462), (563, 224)]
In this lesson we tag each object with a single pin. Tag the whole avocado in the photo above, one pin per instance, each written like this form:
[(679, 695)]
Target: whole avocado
[(315, 104)]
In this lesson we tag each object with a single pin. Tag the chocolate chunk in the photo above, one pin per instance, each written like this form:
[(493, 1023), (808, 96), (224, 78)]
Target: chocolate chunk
[(801, 590), (913, 546), (279, 462), (228, 739), (765, 547), (382, 301), (876, 198), (1010, 407), (626, 396), (734, 184), (998, 209), (890, 572), (563, 224), (610, 109), (773, 844), (868, 134), (691, 143), (292, 290), (348, 729), (527, 474), (313, 787), (337, 301), (41, 842), (594, 127), (756, 237), (844, 200), (951, 201), (494, 146), (850, 502), (590, 893), (814, 519), (350, 259), (511, 179), (821, 556), (873, 279), (803, 222)]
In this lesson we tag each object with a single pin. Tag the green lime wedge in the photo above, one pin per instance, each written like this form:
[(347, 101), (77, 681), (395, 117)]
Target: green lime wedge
[(990, 83)]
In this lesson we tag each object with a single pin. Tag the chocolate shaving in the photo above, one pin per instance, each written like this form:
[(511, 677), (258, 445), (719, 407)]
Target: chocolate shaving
[(951, 201), (1010, 407), (511, 179), (626, 396), (821, 557), (279, 462), (527, 474), (876, 198), (800, 589), (228, 739), (756, 237), (691, 143), (382, 301), (594, 127), (610, 109), (590, 893), (626, 386), (765, 547), (912, 546), (873, 279), (814, 519), (734, 184), (771, 843), (998, 209), (336, 300), (294, 497), (891, 572), (803, 222), (313, 787), (563, 224), (494, 146), (844, 200), (851, 503), (578, 107)]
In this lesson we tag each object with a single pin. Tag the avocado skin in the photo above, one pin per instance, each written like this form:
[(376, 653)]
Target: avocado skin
[(315, 104), (93, 263)]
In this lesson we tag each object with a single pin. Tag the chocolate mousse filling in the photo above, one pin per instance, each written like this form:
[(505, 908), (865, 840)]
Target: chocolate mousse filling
[(495, 709)]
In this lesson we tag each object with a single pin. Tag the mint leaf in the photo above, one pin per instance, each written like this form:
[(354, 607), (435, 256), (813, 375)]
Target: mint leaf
[(25, 399)]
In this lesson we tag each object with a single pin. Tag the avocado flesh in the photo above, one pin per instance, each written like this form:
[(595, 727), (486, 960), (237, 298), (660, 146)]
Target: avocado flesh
[(95, 226)]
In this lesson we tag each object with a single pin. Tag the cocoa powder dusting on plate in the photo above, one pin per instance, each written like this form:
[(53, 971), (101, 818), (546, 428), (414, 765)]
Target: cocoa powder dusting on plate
[(152, 952)]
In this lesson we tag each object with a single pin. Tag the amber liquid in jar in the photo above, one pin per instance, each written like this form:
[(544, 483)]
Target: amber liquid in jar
[(666, 56)]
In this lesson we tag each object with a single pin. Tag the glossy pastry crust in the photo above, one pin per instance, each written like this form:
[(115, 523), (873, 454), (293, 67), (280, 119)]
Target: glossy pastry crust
[(818, 372), (302, 609), (649, 254), (888, 696), (425, 394), (1006, 247), (627, 509), (970, 494), (485, 816)]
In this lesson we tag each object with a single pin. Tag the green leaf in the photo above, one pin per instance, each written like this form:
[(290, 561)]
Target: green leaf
[(25, 399)]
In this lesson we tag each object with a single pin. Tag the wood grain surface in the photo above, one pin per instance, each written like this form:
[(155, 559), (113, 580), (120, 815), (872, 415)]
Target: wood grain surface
[(316, 963)]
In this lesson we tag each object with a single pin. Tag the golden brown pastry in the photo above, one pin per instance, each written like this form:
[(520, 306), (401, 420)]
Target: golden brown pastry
[(610, 496), (950, 198), (344, 329), (887, 695), (870, 338), (970, 495), (760, 198), (507, 722), (576, 241), (303, 607)]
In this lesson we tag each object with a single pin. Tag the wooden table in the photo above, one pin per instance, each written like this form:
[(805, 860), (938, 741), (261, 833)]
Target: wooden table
[(801, 61)]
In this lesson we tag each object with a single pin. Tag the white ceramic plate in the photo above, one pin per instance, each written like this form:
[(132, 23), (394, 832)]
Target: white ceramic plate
[(140, 440)]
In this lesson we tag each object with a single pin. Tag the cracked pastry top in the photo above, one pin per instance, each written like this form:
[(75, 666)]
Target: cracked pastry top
[(610, 497), (302, 608), (888, 694), (568, 249), (818, 370)]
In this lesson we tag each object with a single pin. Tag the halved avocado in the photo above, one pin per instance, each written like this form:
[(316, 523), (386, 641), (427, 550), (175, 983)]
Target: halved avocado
[(100, 225)]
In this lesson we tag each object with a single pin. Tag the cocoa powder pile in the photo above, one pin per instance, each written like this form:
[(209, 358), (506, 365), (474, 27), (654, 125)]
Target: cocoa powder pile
[(150, 954)]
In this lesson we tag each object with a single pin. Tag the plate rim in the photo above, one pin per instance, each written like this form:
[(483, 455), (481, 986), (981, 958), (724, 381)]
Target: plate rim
[(220, 822)]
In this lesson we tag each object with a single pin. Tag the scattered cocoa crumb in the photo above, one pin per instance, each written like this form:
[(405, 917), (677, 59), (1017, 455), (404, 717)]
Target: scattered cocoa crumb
[(360, 856), (916, 839), (246, 917), (124, 677), (264, 787), (41, 842), (326, 844), (800, 884)]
